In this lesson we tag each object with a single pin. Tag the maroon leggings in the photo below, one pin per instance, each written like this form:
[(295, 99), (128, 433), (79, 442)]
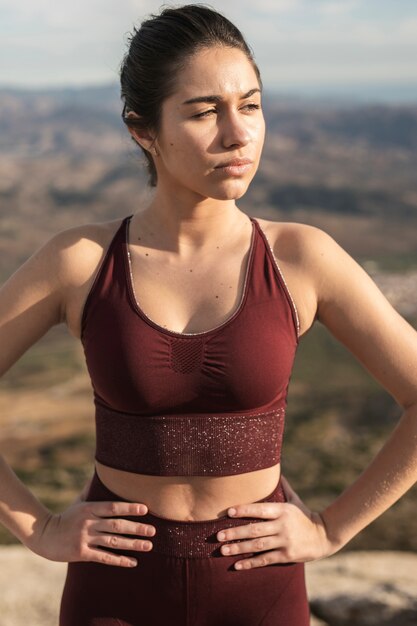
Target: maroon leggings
[(184, 580)]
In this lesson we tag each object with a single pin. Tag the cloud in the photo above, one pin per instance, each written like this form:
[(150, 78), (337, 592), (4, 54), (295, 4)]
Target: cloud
[(275, 6), (83, 41), (44, 42), (331, 7), (408, 29)]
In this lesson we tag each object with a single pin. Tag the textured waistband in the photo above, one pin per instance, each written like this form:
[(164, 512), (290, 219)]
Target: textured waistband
[(189, 445), (182, 538)]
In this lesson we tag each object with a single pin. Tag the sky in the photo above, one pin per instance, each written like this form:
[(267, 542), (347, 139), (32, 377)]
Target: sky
[(300, 46)]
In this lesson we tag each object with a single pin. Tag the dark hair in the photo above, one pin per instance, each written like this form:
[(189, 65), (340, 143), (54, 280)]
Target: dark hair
[(159, 50)]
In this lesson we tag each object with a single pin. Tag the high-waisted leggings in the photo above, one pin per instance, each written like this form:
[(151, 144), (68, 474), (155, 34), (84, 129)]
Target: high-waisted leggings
[(184, 580)]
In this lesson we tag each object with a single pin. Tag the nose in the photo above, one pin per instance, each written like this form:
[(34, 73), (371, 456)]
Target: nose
[(235, 131)]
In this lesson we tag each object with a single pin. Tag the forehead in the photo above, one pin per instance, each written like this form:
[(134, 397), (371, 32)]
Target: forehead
[(216, 70)]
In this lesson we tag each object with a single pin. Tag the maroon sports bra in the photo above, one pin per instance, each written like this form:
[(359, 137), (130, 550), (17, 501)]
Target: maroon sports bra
[(208, 403)]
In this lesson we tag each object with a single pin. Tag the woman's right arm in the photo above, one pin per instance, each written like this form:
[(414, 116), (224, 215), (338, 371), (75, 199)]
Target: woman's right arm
[(34, 299)]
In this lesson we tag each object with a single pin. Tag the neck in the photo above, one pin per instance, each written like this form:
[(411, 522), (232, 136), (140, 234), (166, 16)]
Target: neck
[(190, 226)]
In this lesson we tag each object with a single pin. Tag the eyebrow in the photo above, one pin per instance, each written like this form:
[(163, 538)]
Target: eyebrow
[(215, 99)]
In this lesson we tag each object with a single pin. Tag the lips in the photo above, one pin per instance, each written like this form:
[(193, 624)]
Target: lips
[(235, 168), (234, 163)]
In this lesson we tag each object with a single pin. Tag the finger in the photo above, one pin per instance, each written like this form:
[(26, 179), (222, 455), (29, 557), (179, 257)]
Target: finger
[(122, 543), (266, 510), (251, 530), (269, 558), (116, 509), (255, 545), (123, 527), (107, 558)]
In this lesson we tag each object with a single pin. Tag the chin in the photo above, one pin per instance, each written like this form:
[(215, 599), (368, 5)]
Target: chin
[(231, 190)]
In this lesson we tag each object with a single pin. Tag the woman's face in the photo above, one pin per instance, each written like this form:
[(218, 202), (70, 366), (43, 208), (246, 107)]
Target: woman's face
[(197, 138)]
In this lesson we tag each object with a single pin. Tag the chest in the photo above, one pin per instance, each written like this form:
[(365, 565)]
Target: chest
[(240, 360), (242, 365), (188, 297)]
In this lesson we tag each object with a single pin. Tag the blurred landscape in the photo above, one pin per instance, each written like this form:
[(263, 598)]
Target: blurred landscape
[(66, 159)]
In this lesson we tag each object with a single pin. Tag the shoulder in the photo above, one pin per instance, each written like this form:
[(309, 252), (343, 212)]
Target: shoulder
[(296, 248), (296, 240), (321, 274), (305, 250), (75, 252), (309, 249), (36, 296), (344, 294), (63, 259), (76, 255)]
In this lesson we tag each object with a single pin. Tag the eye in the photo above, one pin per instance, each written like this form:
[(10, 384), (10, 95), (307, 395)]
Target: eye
[(204, 113), (252, 106)]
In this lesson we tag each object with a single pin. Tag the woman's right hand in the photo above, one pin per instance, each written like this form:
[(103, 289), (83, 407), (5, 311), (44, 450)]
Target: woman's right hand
[(85, 529)]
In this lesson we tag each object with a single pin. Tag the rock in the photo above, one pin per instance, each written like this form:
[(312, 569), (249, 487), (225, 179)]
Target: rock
[(357, 588), (30, 588), (364, 588)]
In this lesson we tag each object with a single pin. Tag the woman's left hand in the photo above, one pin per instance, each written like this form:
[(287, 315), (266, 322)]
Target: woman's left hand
[(291, 534)]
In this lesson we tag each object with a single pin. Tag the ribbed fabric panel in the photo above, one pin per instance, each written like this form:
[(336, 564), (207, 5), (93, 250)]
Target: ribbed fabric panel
[(182, 538), (186, 357), (187, 445)]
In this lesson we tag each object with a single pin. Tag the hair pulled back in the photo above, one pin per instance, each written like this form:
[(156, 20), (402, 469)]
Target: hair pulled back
[(159, 50)]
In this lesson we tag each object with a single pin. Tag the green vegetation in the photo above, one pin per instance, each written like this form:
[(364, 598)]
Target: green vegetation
[(54, 359), (393, 262), (351, 173), (325, 365), (62, 468)]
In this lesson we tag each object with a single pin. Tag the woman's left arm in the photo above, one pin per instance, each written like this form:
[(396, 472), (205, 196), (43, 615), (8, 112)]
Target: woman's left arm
[(356, 312)]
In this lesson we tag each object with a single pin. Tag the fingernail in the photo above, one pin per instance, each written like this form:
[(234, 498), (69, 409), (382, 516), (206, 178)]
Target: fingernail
[(147, 545), (232, 511)]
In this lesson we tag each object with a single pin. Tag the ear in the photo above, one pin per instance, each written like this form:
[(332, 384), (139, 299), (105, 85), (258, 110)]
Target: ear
[(142, 136)]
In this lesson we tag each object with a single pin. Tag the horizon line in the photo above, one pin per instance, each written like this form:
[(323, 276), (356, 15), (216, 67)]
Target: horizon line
[(378, 92)]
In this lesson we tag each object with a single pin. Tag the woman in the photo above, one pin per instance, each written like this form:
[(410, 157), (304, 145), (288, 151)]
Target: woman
[(190, 331)]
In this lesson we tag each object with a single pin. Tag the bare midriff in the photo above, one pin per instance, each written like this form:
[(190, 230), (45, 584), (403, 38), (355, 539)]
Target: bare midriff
[(190, 498)]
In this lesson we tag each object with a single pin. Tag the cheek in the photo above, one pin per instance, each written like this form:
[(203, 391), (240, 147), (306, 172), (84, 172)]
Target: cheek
[(175, 153), (187, 149), (259, 131)]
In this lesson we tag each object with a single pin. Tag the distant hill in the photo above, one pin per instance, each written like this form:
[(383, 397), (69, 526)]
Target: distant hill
[(66, 157)]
